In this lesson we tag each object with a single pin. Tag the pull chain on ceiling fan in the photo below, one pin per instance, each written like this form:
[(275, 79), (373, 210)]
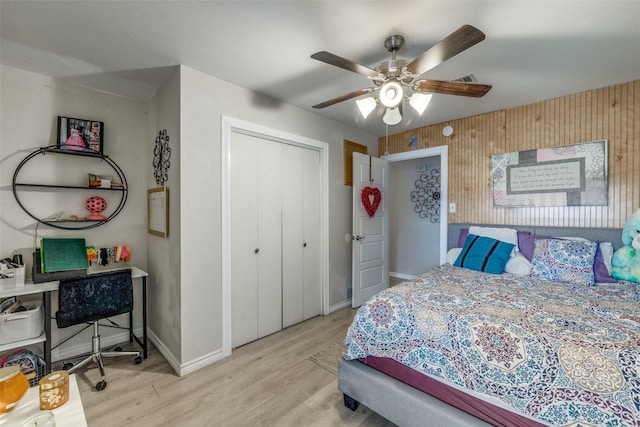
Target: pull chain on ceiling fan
[(391, 78)]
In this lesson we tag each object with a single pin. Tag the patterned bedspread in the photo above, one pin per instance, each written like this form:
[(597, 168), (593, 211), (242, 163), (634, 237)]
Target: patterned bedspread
[(565, 355)]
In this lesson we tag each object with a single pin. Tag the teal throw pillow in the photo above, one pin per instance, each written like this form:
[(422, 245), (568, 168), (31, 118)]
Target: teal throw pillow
[(484, 254)]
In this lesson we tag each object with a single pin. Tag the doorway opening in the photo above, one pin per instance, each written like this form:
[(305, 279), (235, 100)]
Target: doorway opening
[(417, 212)]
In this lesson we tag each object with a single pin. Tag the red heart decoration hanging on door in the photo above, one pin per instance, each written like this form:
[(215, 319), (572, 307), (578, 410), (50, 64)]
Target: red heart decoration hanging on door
[(371, 198)]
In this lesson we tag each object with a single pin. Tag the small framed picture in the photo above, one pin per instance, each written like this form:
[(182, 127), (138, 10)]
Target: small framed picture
[(158, 211), (80, 135)]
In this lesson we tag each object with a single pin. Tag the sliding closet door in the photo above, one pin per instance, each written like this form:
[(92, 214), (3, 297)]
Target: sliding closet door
[(311, 202), (244, 231), (256, 277), (269, 199), (276, 277), (292, 236), (301, 274)]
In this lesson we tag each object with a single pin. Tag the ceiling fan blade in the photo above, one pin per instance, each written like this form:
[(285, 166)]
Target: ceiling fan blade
[(331, 59), (473, 90), (345, 97), (461, 39)]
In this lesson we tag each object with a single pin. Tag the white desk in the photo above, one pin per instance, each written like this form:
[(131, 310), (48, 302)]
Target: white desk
[(70, 414), (45, 289)]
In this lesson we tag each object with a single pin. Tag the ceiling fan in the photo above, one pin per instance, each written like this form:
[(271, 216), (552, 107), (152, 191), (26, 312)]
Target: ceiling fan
[(392, 77)]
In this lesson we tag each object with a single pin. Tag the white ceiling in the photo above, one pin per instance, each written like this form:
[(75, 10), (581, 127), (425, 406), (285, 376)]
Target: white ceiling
[(534, 50)]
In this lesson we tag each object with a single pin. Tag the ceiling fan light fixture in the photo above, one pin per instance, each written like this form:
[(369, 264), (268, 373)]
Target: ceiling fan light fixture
[(419, 101), (391, 94), (366, 106), (392, 116)]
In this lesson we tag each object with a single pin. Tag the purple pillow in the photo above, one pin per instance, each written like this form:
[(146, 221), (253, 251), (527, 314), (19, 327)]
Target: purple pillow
[(600, 269), (462, 237), (522, 235), (528, 244)]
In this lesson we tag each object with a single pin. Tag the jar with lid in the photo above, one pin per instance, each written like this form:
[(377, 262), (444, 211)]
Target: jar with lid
[(13, 385), (54, 390)]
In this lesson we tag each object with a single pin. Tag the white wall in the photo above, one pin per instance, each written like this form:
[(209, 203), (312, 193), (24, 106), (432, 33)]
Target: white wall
[(413, 247), (29, 106), (165, 294)]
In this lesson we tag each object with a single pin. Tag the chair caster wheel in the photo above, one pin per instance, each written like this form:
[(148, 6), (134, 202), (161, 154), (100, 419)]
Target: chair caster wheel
[(67, 366), (101, 385), (137, 360), (118, 348)]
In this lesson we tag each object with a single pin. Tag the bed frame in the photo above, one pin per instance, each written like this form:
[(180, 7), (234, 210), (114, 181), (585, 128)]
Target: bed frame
[(407, 406)]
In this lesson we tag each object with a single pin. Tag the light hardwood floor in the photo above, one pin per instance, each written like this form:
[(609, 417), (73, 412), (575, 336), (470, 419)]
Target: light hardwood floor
[(285, 379)]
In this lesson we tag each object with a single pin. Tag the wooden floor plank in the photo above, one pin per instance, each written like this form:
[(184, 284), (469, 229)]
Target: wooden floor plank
[(275, 381)]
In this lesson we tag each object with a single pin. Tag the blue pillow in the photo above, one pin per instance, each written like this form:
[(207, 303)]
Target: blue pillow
[(484, 254)]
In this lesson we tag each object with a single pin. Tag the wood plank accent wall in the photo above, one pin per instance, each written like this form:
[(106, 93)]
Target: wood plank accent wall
[(611, 113)]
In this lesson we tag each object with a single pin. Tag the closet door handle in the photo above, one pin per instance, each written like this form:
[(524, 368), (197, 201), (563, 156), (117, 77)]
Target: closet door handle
[(304, 245), (256, 251)]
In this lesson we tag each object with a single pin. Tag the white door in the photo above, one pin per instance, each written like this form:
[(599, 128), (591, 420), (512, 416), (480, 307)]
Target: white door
[(311, 226), (301, 273), (370, 265), (269, 198), (292, 236), (256, 277)]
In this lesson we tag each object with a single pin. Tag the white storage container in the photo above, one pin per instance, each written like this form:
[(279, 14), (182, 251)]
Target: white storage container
[(16, 276), (22, 325)]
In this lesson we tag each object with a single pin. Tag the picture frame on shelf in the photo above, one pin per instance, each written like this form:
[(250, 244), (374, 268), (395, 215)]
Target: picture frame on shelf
[(81, 135), (158, 211)]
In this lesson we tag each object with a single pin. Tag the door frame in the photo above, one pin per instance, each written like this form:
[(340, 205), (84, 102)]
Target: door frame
[(229, 126), (443, 152)]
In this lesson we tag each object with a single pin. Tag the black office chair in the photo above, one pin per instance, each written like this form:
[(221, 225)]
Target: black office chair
[(90, 298)]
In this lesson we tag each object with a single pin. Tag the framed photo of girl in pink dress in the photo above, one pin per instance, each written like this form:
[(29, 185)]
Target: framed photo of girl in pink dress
[(80, 135)]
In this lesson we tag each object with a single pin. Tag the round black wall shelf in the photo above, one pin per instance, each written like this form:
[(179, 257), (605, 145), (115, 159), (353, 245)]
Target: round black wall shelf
[(69, 224)]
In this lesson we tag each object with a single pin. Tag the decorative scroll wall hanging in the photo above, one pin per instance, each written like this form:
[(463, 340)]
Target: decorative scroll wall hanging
[(161, 154), (426, 196), (572, 175)]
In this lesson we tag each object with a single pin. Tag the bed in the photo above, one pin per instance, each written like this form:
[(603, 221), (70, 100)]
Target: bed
[(460, 347)]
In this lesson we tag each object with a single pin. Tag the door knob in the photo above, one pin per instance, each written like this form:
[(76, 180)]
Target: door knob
[(256, 251), (304, 245), (358, 238)]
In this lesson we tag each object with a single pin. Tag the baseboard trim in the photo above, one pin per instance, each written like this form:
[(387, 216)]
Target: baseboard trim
[(340, 306), (164, 351), (184, 368), (402, 276), (200, 362)]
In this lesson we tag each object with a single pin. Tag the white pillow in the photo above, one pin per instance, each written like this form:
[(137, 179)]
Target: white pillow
[(508, 235), (452, 255), (518, 264)]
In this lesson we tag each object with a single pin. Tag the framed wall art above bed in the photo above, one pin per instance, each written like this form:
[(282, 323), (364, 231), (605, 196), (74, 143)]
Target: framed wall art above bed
[(571, 175)]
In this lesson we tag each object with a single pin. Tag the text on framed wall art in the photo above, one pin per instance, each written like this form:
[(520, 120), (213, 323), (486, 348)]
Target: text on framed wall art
[(572, 175)]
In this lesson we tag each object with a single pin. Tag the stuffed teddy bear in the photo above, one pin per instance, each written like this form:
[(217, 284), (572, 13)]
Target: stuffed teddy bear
[(625, 264)]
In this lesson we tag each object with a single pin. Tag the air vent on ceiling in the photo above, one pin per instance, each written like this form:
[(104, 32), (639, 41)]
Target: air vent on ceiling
[(469, 78)]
